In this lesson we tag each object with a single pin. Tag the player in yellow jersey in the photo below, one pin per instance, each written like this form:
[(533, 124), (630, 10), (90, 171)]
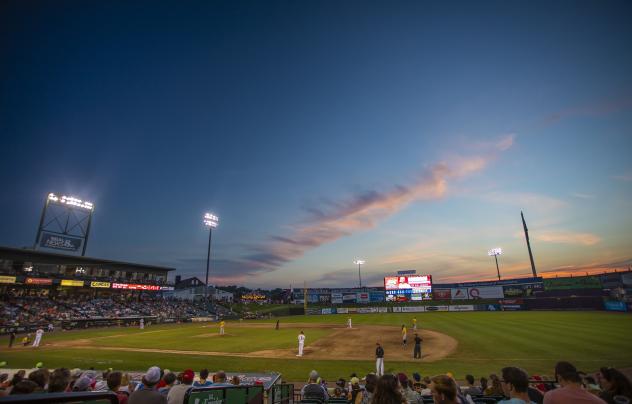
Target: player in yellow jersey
[(221, 327), (404, 335), (414, 323)]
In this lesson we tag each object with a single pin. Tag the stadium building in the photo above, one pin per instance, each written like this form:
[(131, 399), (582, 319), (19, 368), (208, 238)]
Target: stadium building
[(29, 272)]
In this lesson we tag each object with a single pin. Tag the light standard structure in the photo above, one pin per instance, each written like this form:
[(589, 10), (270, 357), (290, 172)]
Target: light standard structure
[(496, 252), (359, 263), (211, 221)]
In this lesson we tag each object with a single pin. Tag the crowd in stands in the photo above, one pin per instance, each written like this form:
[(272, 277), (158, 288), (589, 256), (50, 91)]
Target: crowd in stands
[(31, 310), (513, 386)]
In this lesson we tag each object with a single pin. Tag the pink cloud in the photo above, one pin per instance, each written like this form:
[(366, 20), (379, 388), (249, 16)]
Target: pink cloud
[(586, 239)]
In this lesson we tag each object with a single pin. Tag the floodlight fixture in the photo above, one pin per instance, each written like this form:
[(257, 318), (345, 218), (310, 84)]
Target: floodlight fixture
[(359, 263), (70, 201), (495, 252), (211, 220)]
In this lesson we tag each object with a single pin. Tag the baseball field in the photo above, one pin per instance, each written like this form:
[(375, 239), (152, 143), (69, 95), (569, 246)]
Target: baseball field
[(479, 343)]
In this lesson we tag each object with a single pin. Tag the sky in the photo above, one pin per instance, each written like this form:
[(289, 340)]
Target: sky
[(408, 134)]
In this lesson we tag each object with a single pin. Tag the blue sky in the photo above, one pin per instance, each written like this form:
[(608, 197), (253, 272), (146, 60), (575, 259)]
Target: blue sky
[(410, 134)]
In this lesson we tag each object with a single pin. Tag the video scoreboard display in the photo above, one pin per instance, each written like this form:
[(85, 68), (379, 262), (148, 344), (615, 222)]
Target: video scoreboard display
[(408, 288)]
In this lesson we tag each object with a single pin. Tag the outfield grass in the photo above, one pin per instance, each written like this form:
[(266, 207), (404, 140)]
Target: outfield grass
[(487, 342)]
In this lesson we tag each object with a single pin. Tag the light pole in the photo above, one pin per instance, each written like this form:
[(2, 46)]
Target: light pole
[(211, 221), (359, 262), (496, 252)]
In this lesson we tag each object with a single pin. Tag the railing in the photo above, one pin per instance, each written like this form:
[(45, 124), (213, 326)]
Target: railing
[(282, 394), (53, 398), (224, 395)]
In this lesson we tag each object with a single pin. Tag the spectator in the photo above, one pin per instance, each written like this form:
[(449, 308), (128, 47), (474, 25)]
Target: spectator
[(471, 389), (220, 379), (203, 382), (148, 395), (444, 390), (84, 383), (515, 384), (24, 387), (114, 385), (177, 392), (387, 391), (496, 388), (40, 377), (169, 379), (570, 390), (59, 381), (313, 389), (369, 387), (426, 391), (408, 393), (613, 383), (342, 384), (483, 382), (355, 396)]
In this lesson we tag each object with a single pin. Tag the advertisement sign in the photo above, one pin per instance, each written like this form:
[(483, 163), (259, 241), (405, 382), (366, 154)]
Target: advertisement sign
[(382, 309), (442, 294), (99, 284), (367, 310), (38, 281), (512, 301), (60, 242), (462, 307), (437, 308), (408, 288), (407, 272), (512, 307), (349, 298), (342, 310), (68, 282), (581, 282), (493, 307), (411, 309), (336, 298), (134, 286), (459, 294), (486, 292), (612, 305), (376, 296), (7, 279), (362, 297), (521, 290), (167, 288), (328, 311)]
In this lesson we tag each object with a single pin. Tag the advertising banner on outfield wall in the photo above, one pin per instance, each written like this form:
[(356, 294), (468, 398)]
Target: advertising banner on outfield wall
[(382, 309), (366, 310), (362, 297), (437, 308), (7, 279), (342, 310), (411, 309), (486, 292), (615, 306), (39, 281), (492, 307), (329, 311), (580, 282), (336, 298), (70, 282), (99, 284), (524, 290), (441, 294), (459, 294), (376, 296), (349, 298), (461, 307)]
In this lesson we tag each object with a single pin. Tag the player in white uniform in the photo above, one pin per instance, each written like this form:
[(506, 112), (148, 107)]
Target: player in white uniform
[(51, 327), (349, 323), (38, 337), (142, 324), (301, 343)]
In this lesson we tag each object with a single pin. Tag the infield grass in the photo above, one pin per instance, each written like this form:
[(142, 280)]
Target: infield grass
[(487, 341)]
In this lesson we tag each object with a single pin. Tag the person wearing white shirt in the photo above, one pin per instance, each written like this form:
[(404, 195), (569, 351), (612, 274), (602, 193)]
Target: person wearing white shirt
[(301, 343), (38, 337)]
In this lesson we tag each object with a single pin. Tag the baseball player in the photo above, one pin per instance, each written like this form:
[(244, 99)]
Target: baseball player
[(301, 343), (415, 323), (38, 337), (379, 359), (142, 323), (349, 323), (221, 327), (417, 351), (404, 334)]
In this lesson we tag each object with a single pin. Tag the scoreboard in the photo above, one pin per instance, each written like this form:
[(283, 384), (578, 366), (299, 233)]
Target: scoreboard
[(408, 288)]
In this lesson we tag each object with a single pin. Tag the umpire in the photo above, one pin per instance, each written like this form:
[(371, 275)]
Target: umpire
[(417, 352)]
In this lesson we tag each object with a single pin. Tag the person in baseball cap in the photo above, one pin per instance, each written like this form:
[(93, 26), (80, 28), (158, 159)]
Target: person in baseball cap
[(148, 394), (177, 392)]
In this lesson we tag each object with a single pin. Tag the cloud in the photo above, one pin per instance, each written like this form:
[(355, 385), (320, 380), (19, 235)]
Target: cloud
[(590, 268), (525, 200), (582, 196), (600, 108), (627, 177), (586, 239), (362, 211)]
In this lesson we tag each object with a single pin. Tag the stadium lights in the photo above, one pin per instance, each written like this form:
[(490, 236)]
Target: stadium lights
[(70, 201), (359, 263), (211, 221), (496, 252)]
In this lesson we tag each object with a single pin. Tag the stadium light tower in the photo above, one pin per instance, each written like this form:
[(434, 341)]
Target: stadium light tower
[(359, 263), (496, 252), (211, 221)]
